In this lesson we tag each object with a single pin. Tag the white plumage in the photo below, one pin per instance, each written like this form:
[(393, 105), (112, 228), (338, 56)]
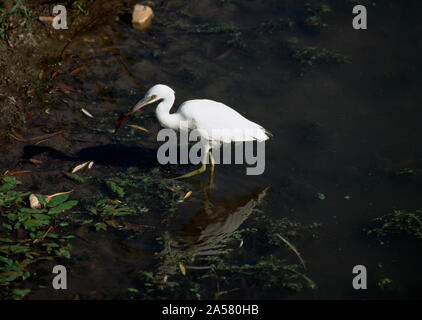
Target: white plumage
[(220, 122), (214, 121)]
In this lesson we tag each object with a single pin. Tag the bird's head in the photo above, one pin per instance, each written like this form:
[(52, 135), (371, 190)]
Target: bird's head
[(156, 93)]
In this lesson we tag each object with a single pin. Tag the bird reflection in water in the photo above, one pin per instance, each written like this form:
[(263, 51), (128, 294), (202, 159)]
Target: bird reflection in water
[(210, 230)]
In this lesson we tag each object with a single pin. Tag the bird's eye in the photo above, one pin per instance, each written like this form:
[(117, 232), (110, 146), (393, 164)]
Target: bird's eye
[(153, 96)]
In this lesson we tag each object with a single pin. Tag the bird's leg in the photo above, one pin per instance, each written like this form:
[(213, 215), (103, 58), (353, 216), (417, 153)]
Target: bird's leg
[(212, 164), (201, 169), (194, 172)]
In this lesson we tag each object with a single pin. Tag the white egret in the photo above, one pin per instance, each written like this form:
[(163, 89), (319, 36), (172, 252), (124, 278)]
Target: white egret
[(214, 121)]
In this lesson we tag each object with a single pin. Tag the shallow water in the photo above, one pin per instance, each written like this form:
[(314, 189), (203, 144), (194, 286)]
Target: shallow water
[(339, 129)]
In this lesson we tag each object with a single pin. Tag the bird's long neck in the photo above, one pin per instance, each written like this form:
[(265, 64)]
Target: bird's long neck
[(167, 120)]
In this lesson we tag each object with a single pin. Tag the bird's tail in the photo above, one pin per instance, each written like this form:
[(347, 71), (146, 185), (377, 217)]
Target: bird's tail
[(263, 135)]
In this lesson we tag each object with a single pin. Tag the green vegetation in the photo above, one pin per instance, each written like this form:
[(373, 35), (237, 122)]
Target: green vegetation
[(398, 222), (8, 19), (309, 56), (410, 171), (234, 33), (28, 235), (80, 7), (321, 196), (385, 284), (315, 12), (273, 25)]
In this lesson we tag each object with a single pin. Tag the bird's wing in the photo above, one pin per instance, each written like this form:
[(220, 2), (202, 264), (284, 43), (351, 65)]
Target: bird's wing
[(219, 122)]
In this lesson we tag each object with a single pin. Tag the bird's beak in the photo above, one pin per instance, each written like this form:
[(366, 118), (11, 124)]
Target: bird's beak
[(145, 101)]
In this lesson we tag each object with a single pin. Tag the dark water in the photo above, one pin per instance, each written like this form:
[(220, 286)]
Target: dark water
[(339, 129)]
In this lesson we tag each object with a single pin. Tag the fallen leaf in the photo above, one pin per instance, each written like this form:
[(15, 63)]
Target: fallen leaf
[(138, 127), (175, 190), (77, 70), (35, 161), (15, 173), (46, 19), (66, 87), (79, 167), (187, 195), (224, 54), (19, 233), (29, 115), (48, 198), (55, 73), (41, 141), (182, 269), (85, 112), (119, 122), (43, 137)]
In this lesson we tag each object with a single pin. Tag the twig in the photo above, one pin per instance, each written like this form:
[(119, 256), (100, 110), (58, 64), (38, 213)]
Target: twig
[(224, 54), (43, 137), (44, 235), (15, 173), (293, 249)]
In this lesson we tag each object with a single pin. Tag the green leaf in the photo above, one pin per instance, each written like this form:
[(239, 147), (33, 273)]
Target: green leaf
[(51, 245), (121, 212), (74, 177), (63, 253), (30, 210), (100, 226), (32, 224), (4, 259), (115, 188), (10, 276), (41, 199), (20, 293), (11, 180), (63, 207), (52, 235), (7, 186), (12, 216), (321, 196), (86, 221), (7, 226), (101, 203), (40, 216), (58, 200), (133, 290)]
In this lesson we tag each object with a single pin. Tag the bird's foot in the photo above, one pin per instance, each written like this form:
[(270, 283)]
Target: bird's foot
[(193, 173)]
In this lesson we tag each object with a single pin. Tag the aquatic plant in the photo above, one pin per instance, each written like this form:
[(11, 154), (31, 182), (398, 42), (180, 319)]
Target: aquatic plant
[(398, 222), (315, 13), (310, 56), (188, 274)]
